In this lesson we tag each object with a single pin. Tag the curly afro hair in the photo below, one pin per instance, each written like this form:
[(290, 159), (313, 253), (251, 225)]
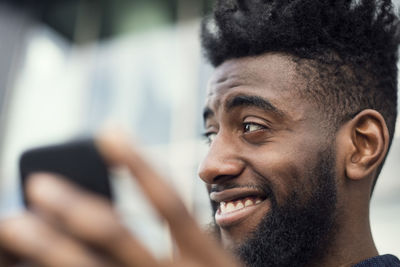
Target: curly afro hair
[(346, 50)]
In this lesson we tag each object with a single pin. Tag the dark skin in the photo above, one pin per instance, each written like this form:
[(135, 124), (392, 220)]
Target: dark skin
[(278, 143), (261, 129), (272, 143)]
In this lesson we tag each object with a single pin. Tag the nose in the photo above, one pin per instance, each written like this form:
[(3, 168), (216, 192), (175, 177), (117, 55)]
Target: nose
[(222, 161)]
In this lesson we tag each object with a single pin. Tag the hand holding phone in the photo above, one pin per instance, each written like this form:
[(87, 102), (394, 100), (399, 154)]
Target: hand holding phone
[(74, 228)]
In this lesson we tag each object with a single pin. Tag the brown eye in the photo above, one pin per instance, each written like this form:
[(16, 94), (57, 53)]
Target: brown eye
[(251, 127)]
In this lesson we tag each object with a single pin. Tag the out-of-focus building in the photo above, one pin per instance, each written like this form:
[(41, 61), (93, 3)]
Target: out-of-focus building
[(68, 67)]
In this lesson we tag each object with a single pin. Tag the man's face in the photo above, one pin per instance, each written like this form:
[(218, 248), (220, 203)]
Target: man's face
[(267, 156)]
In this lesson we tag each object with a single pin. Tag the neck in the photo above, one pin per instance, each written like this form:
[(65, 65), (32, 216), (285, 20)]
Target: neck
[(350, 247), (352, 242)]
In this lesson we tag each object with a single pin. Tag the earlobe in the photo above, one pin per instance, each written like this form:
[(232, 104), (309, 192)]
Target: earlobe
[(369, 141)]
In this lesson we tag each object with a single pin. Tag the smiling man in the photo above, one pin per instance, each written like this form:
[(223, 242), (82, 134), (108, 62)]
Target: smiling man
[(300, 114), (271, 167)]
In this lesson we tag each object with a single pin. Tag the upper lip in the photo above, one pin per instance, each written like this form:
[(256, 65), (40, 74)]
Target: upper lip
[(236, 193)]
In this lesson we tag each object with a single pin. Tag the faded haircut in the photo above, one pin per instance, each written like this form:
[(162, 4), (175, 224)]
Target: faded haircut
[(346, 50)]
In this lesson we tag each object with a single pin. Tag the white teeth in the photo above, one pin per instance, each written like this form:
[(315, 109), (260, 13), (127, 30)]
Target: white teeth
[(248, 203), (230, 207), (226, 207), (222, 206)]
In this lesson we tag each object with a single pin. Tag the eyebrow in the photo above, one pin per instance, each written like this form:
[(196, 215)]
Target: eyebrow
[(247, 101), (253, 101)]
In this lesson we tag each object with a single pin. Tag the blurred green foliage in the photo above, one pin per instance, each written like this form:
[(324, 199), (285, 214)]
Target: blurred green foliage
[(83, 21)]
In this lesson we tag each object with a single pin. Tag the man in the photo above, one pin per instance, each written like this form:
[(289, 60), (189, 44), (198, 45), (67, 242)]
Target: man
[(302, 93), (300, 114)]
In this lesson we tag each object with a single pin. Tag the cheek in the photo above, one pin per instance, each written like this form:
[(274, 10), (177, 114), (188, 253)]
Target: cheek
[(286, 170)]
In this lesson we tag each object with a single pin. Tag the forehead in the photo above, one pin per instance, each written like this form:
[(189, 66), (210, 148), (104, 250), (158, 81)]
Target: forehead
[(271, 76)]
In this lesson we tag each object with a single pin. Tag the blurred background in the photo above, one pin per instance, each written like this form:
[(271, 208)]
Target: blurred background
[(68, 67)]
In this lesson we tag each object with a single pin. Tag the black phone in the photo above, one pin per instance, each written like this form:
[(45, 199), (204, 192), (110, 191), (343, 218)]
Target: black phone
[(78, 161)]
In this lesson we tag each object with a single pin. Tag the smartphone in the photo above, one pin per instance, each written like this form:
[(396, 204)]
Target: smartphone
[(78, 161)]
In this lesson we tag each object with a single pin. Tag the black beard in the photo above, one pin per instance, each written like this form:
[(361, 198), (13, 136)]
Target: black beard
[(298, 231)]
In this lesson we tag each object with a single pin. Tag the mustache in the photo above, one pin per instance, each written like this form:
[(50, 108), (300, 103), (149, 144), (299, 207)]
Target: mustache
[(266, 189)]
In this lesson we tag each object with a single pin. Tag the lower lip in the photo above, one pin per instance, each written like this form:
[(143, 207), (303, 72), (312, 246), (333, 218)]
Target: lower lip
[(232, 218)]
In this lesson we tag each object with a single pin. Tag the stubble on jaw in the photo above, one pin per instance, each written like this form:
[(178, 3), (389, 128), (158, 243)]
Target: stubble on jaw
[(295, 233)]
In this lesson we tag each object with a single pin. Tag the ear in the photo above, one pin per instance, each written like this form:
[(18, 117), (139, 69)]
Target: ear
[(368, 142)]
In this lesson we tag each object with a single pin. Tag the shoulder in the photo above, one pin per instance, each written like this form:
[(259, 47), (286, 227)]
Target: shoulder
[(380, 261)]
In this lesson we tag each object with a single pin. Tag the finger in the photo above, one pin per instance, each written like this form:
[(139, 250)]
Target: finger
[(117, 151), (34, 240), (87, 217), (188, 235)]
